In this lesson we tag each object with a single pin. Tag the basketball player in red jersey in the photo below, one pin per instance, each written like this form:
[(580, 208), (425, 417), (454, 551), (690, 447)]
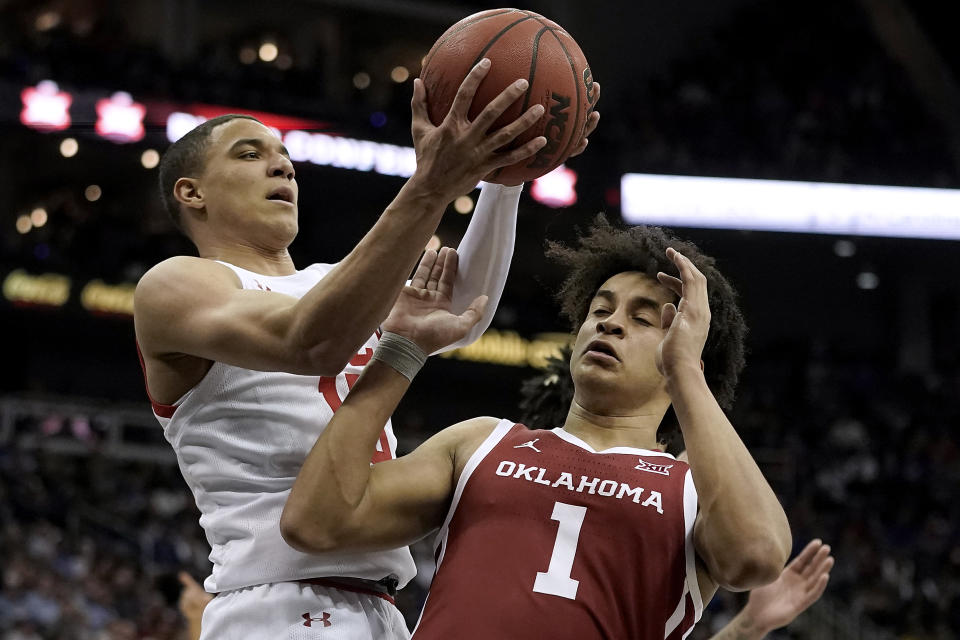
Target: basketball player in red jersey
[(247, 357), (546, 401), (587, 530)]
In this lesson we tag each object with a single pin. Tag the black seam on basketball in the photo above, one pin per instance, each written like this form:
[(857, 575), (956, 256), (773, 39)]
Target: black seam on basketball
[(439, 44), (533, 69), (537, 17), (494, 40), (576, 83)]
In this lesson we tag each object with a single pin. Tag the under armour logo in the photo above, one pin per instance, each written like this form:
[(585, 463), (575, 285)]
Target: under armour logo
[(324, 619), (662, 469), (529, 444)]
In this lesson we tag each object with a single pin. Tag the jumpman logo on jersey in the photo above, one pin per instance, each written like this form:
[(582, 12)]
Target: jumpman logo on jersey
[(324, 619), (529, 444)]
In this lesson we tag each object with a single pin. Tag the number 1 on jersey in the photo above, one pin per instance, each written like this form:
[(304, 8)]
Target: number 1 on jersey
[(557, 581)]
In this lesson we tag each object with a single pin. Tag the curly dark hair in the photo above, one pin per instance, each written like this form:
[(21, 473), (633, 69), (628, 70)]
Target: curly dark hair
[(604, 251), (186, 157), (545, 398)]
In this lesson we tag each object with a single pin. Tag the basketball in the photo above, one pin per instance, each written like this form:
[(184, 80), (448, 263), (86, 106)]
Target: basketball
[(519, 44)]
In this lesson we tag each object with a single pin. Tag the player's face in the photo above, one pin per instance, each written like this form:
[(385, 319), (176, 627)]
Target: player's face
[(614, 356), (248, 181)]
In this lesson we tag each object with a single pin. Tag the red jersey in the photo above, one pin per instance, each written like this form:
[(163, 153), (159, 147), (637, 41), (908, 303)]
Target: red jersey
[(549, 539)]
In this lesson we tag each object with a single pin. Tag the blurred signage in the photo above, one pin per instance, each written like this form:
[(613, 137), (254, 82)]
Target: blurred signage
[(45, 107), (120, 119), (780, 205), (317, 148), (511, 349), (557, 188), (49, 289), (98, 297)]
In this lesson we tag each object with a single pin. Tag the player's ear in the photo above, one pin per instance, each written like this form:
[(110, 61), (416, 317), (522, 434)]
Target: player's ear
[(187, 192)]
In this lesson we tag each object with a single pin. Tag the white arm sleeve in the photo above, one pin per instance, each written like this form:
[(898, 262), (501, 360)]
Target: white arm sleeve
[(485, 253)]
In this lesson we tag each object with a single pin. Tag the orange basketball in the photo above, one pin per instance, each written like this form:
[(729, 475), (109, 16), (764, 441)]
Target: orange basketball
[(519, 44)]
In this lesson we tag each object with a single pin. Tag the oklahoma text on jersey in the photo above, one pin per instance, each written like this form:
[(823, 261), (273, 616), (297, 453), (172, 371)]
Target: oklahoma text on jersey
[(606, 488)]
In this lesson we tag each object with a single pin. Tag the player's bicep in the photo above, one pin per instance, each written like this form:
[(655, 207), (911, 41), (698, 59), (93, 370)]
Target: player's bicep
[(197, 307), (409, 497)]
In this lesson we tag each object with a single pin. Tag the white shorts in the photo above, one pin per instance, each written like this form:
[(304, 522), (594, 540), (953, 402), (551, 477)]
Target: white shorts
[(301, 611)]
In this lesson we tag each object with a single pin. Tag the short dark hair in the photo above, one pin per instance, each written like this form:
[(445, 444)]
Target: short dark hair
[(605, 250), (186, 157)]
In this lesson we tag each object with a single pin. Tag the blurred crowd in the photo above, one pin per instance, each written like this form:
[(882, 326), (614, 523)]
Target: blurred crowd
[(790, 92), (91, 547), (861, 459)]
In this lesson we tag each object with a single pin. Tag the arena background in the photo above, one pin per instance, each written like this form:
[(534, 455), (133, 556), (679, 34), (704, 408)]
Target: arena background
[(849, 397)]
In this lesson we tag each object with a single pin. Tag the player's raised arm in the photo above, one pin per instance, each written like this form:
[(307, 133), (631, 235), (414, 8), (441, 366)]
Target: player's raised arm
[(741, 532), (182, 308), (339, 501), (487, 246)]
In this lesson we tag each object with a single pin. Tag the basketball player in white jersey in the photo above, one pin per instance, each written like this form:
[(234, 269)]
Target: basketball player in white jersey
[(561, 533), (246, 357)]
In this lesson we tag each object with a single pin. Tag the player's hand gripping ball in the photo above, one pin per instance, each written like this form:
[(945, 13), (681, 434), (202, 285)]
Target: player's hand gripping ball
[(519, 44)]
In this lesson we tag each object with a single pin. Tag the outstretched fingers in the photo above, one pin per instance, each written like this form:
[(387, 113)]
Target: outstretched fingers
[(694, 290), (468, 89), (422, 274), (433, 282), (505, 135), (418, 103), (496, 107), (451, 262)]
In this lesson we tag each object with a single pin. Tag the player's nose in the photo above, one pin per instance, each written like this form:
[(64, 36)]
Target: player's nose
[(610, 325), (281, 166)]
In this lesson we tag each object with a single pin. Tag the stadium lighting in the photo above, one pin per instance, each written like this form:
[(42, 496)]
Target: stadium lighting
[(150, 158), (45, 107), (463, 204), (779, 205), (556, 189), (844, 248), (38, 217), (93, 193), (399, 74), (24, 225), (361, 80), (268, 51), (120, 119), (867, 280), (69, 147)]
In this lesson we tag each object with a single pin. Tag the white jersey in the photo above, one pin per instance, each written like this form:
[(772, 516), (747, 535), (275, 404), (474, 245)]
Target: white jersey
[(241, 436)]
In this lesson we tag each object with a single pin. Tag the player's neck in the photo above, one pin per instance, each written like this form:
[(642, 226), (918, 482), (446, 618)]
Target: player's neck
[(605, 432), (257, 259)]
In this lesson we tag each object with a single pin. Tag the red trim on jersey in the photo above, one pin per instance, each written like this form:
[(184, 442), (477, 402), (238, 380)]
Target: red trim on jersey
[(162, 410), (333, 583)]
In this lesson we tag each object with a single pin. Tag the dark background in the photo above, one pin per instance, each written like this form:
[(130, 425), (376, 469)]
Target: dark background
[(848, 399)]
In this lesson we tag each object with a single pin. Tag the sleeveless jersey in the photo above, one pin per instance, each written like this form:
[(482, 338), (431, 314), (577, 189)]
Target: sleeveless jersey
[(548, 539), (241, 436)]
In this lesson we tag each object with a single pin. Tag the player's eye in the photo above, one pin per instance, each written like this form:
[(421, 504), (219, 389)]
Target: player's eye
[(601, 312), (643, 321), (250, 154)]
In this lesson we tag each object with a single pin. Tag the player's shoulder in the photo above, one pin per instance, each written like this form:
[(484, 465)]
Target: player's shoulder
[(185, 272), (463, 438)]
